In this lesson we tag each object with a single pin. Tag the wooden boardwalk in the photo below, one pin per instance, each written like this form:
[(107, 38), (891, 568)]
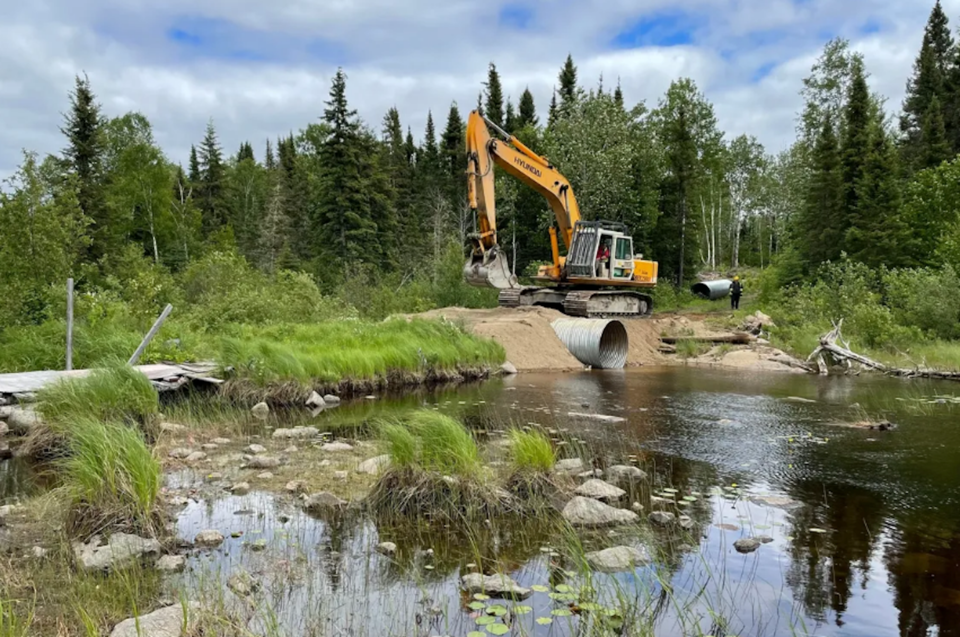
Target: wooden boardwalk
[(164, 377)]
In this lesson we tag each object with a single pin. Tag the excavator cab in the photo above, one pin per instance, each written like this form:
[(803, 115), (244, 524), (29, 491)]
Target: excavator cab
[(601, 250)]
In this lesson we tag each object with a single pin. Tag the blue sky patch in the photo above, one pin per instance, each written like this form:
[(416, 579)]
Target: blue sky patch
[(762, 71), (870, 27), (516, 16), (672, 28)]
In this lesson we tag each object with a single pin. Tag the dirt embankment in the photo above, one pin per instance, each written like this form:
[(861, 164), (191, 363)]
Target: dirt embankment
[(531, 344)]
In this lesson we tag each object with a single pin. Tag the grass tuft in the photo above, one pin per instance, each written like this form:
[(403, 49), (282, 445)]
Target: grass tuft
[(531, 451), (111, 478), (429, 441), (116, 392)]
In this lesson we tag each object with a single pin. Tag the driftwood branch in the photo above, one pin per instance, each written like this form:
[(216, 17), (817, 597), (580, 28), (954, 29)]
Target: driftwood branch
[(833, 345), (740, 338)]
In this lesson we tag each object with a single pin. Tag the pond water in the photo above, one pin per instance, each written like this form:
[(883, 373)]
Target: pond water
[(865, 538)]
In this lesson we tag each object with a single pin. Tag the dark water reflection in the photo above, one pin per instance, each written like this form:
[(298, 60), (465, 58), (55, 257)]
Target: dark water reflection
[(873, 547)]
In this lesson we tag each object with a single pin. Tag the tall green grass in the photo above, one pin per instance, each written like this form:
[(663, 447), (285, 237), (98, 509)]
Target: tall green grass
[(114, 393), (111, 478), (336, 350), (531, 451), (429, 441)]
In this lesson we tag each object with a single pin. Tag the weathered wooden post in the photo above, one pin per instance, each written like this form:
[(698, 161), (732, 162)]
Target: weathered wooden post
[(149, 337), (69, 324)]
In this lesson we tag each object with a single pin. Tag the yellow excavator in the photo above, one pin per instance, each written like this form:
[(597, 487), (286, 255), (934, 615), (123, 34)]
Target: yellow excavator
[(600, 276)]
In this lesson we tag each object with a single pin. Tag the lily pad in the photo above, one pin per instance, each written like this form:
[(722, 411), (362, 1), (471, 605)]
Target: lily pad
[(543, 621), (498, 629), (670, 491), (522, 610), (480, 596), (590, 606), (561, 612), (689, 498), (563, 588), (476, 633), (485, 620), (540, 588), (761, 527), (498, 611), (477, 605)]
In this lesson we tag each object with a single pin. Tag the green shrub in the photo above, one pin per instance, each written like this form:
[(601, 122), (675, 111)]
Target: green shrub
[(117, 393), (926, 299), (110, 476), (531, 451)]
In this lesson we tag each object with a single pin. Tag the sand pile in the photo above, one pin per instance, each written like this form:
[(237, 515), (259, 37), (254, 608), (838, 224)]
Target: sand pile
[(531, 344)]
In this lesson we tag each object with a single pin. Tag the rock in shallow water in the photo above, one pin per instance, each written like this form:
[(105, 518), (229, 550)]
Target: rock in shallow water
[(255, 450), (621, 474), (573, 466), (662, 518), (746, 545), (121, 550), (499, 585), (618, 558), (166, 622), (587, 512), (322, 502), (600, 490), (209, 538), (171, 563), (243, 584), (263, 462)]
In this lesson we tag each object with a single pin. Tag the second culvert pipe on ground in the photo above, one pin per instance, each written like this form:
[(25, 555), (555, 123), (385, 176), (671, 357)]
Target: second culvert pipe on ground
[(600, 343)]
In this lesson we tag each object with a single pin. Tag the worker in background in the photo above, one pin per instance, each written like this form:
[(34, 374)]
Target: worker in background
[(735, 291)]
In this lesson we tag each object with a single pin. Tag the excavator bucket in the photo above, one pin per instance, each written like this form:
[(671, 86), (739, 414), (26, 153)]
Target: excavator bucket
[(489, 270)]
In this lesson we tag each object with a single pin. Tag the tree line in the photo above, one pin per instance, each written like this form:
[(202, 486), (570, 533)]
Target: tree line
[(348, 203)]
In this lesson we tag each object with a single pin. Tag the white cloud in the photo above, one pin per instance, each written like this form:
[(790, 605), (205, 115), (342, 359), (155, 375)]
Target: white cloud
[(417, 55)]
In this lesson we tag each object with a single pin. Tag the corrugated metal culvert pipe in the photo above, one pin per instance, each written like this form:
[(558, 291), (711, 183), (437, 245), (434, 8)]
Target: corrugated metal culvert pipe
[(712, 290), (599, 343)]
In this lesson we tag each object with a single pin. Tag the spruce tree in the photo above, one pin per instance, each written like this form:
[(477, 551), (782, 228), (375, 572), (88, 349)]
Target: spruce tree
[(344, 226), (269, 160), (618, 95), (454, 155), (820, 231), (879, 235), (528, 110), (210, 200), (84, 154), (933, 137), (245, 152), (194, 167), (430, 154), (554, 110), (480, 103), (854, 144), (410, 149), (511, 122), (493, 107), (568, 82), (399, 171), (923, 87)]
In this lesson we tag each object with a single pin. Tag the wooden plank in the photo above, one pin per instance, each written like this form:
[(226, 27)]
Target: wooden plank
[(32, 381)]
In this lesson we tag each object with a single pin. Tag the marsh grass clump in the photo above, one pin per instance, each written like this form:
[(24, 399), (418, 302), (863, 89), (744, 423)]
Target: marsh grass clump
[(435, 471), (533, 458), (110, 478), (117, 392)]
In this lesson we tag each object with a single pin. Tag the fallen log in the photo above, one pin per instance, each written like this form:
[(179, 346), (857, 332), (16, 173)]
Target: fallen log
[(833, 345), (738, 338)]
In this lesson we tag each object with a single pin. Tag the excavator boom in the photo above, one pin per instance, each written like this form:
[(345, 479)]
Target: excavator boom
[(488, 265)]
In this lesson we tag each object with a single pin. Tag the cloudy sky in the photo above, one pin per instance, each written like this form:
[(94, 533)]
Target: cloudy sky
[(261, 69)]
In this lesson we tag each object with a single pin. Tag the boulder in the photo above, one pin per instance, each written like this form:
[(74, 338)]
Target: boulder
[(508, 368), (240, 488), (120, 551), (600, 490), (180, 453), (315, 400), (261, 410), (387, 548), (196, 456), (171, 563), (323, 502), (764, 539), (746, 545), (209, 538), (686, 522), (243, 584), (295, 486), (572, 466), (297, 433), (166, 622), (22, 419), (622, 474), (263, 462), (587, 512), (373, 466), (221, 441), (330, 400), (336, 446), (661, 518), (255, 450), (618, 558), (172, 428), (499, 585)]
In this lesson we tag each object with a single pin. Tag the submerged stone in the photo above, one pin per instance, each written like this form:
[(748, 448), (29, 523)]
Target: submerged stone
[(322, 502), (662, 518), (778, 501), (587, 512), (618, 558), (746, 545), (243, 584), (241, 488), (209, 538), (621, 474), (499, 585)]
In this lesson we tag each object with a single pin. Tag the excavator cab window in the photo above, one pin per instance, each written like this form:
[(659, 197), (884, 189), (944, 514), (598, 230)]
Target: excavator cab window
[(623, 258)]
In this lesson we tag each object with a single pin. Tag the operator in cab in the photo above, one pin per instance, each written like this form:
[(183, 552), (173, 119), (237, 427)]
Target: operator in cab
[(603, 257)]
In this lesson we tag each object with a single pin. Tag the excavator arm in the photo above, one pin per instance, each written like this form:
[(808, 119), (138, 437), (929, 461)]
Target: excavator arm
[(487, 265)]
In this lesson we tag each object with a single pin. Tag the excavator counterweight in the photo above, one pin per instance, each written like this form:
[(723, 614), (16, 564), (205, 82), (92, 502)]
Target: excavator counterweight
[(599, 276)]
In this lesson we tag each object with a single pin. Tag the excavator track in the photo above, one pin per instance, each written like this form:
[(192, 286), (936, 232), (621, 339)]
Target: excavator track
[(510, 297), (607, 304)]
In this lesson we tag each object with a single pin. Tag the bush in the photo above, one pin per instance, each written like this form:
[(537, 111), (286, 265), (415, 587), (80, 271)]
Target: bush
[(926, 299)]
